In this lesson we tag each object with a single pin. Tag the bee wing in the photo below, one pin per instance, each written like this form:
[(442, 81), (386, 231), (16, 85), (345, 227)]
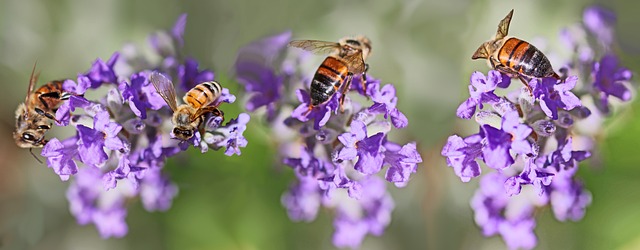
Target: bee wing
[(503, 27), (165, 88), (355, 63), (315, 46), (32, 82)]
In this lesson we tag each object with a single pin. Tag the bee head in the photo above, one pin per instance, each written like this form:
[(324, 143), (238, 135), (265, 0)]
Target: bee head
[(359, 42), (29, 139), (182, 133)]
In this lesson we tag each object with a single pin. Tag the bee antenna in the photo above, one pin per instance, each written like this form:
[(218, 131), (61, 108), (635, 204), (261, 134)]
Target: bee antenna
[(34, 156)]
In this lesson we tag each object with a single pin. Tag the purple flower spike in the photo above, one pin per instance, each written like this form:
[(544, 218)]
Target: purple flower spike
[(403, 162), (266, 85), (385, 101), (87, 206), (63, 115), (60, 157), (553, 95), (600, 22), (513, 135), (235, 139), (531, 130), (519, 234), (303, 199), (102, 72), (103, 134), (376, 206), (569, 199), (565, 158), (481, 91), (319, 114), (111, 222), (462, 154), (156, 191), (141, 95), (608, 78), (258, 70), (190, 76), (177, 32), (369, 150), (78, 89)]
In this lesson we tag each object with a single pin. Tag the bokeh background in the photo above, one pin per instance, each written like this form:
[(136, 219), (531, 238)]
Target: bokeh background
[(423, 47)]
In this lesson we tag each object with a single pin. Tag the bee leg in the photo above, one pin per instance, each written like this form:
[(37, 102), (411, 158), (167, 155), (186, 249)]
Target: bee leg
[(46, 114), (364, 78), (48, 95), (526, 83), (343, 93), (513, 73), (214, 110)]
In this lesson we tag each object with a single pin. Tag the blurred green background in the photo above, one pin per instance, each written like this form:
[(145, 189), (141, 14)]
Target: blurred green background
[(423, 47)]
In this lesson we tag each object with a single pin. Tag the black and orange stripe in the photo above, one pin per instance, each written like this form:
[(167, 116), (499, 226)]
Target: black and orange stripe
[(203, 94), (328, 79), (525, 58), (47, 97)]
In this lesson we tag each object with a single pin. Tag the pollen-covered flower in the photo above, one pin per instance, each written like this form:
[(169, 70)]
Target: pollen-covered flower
[(342, 146)]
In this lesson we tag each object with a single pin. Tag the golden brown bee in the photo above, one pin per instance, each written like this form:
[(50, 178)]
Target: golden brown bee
[(514, 57), (189, 116), (34, 117), (346, 58)]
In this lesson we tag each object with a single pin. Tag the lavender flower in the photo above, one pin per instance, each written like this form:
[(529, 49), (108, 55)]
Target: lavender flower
[(554, 96), (600, 22), (462, 155), (119, 150), (481, 89), (608, 81), (527, 136), (341, 176), (369, 150)]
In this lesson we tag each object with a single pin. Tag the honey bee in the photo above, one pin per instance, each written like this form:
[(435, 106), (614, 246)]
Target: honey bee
[(189, 116), (346, 58), (514, 57), (35, 116)]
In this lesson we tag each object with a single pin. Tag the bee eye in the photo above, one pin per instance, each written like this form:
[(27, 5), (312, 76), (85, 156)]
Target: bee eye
[(353, 42), (28, 137), (186, 133)]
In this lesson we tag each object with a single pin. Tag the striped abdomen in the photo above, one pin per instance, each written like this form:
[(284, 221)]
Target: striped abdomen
[(48, 96), (524, 58), (203, 94), (327, 80)]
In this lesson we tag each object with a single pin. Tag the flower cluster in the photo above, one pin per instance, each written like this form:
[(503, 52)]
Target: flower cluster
[(532, 138), (123, 139), (336, 155)]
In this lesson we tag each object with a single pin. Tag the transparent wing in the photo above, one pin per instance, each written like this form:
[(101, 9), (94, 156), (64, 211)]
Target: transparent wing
[(32, 83), (165, 88), (355, 62), (503, 27), (315, 46)]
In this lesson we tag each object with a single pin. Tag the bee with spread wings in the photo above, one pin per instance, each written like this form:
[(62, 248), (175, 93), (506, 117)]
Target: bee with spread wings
[(198, 103), (346, 58)]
